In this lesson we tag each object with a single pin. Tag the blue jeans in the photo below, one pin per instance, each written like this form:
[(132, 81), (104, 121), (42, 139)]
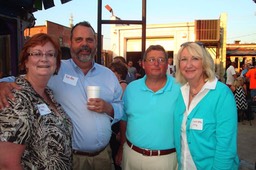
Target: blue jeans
[(253, 93)]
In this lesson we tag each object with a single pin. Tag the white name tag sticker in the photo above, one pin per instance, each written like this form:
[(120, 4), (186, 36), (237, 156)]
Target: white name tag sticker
[(70, 79), (196, 124), (43, 109)]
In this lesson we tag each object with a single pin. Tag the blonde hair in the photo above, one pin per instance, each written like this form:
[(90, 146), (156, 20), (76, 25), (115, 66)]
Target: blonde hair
[(198, 50), (238, 82)]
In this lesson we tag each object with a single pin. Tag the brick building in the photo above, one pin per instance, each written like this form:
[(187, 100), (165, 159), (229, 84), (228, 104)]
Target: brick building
[(59, 32)]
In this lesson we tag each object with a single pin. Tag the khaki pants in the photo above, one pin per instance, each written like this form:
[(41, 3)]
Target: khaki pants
[(133, 160), (98, 162)]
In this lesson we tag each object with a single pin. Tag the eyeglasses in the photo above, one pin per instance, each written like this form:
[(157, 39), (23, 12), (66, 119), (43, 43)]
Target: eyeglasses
[(153, 60), (49, 55), (189, 42)]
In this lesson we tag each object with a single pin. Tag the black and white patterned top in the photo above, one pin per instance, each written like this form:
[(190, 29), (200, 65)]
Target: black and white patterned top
[(47, 137), (240, 97)]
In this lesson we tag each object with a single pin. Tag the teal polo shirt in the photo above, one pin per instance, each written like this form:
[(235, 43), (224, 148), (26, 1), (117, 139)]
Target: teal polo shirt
[(149, 114)]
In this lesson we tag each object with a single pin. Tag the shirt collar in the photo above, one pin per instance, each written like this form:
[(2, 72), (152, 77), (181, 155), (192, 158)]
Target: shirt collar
[(211, 85), (94, 65), (166, 87)]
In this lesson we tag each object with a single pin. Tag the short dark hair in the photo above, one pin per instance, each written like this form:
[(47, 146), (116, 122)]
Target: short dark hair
[(120, 58), (120, 68), (157, 48), (83, 23)]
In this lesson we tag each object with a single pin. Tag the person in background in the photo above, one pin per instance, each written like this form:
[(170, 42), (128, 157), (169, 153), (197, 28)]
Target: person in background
[(141, 71), (147, 141), (120, 59), (205, 117), (35, 132), (120, 70), (240, 91), (171, 68), (92, 118), (131, 69), (129, 77), (251, 77), (245, 69), (231, 74)]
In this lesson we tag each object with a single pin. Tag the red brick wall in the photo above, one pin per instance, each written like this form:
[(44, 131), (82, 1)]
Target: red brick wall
[(55, 30)]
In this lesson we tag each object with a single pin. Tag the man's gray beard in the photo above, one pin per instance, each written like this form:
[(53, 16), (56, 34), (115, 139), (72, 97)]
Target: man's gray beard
[(85, 58)]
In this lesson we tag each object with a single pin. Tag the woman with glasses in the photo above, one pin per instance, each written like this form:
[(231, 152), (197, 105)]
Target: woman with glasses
[(35, 133), (205, 118), (147, 123)]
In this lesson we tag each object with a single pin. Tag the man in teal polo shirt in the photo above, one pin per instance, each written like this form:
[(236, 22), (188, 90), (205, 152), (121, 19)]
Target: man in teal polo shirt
[(148, 116)]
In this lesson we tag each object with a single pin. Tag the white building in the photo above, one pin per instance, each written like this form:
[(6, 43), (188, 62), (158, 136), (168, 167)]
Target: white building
[(126, 39)]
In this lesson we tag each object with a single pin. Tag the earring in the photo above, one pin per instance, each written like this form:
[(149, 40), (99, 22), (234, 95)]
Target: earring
[(55, 72)]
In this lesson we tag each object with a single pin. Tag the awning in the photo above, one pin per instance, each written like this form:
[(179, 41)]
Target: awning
[(243, 52), (23, 9), (15, 8)]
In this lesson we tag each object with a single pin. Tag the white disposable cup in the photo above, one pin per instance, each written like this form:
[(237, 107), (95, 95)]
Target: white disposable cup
[(93, 92)]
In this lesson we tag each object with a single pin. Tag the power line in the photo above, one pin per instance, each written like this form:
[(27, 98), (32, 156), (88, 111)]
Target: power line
[(242, 36)]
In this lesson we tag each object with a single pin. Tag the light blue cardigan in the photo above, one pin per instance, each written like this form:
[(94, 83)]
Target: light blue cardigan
[(214, 147)]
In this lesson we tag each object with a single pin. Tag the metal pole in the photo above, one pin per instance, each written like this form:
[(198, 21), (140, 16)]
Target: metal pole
[(100, 22), (143, 43), (99, 44)]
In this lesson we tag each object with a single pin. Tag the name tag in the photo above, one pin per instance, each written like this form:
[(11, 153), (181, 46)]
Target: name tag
[(196, 124), (43, 109), (70, 79)]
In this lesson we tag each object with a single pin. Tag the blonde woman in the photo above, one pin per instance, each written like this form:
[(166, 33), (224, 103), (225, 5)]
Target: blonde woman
[(205, 117), (240, 92)]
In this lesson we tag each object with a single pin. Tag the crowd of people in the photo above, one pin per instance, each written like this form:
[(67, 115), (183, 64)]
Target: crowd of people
[(158, 117), (243, 85)]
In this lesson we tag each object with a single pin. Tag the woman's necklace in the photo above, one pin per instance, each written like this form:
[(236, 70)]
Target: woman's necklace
[(193, 94)]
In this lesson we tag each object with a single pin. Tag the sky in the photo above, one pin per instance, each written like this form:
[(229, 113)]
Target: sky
[(241, 14)]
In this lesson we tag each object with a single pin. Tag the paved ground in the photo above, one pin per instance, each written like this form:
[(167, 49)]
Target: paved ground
[(247, 144)]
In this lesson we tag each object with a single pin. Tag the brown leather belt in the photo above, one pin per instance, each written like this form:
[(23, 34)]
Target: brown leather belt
[(147, 152), (90, 154)]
